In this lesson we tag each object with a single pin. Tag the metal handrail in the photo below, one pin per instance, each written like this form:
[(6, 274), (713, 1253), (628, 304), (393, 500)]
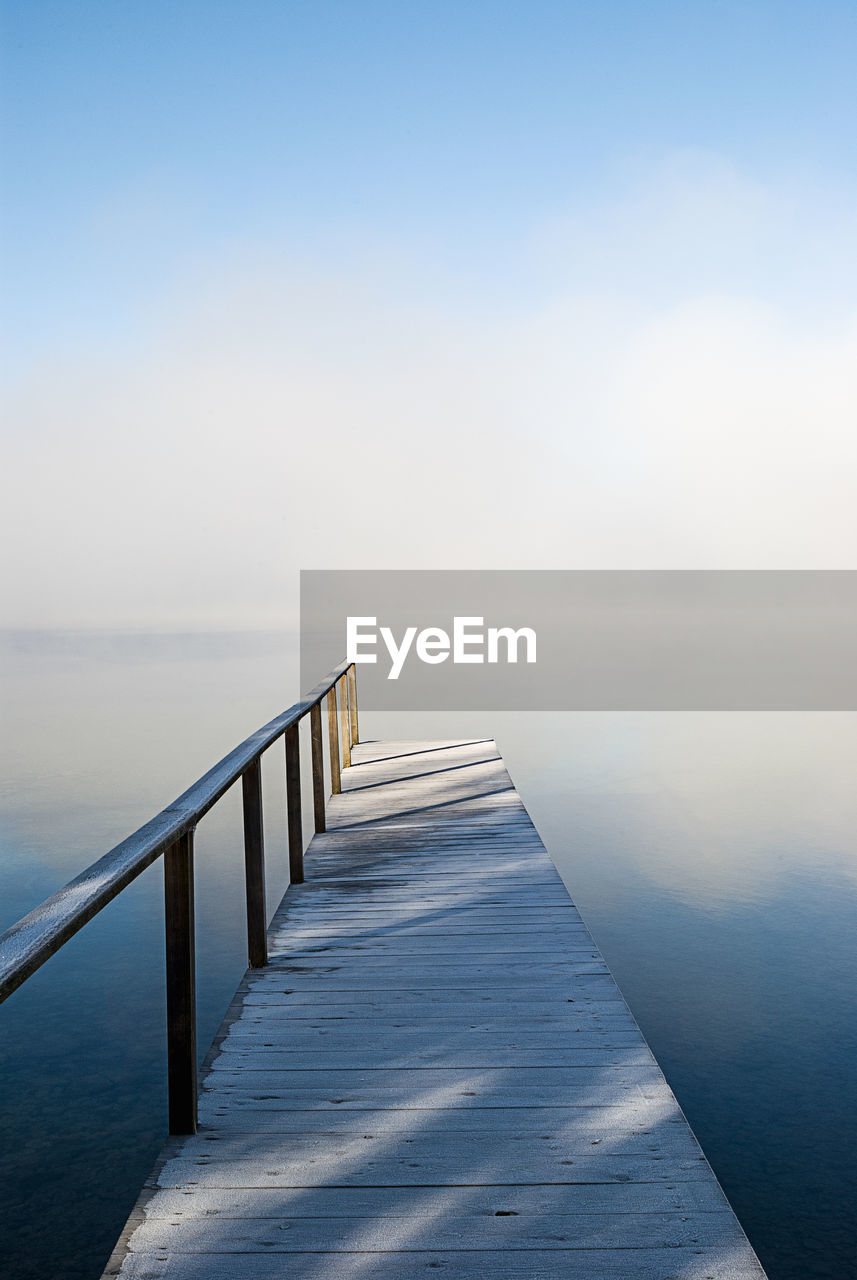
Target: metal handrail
[(43, 931)]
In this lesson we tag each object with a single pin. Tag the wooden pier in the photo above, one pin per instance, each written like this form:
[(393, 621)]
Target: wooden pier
[(434, 1073)]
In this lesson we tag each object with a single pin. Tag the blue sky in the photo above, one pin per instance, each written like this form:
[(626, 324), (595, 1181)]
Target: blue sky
[(464, 187), (137, 134)]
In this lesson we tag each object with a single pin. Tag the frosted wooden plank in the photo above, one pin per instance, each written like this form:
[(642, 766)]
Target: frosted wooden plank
[(602, 1123), (451, 1169), (728, 1262), (508, 1231), (453, 1204)]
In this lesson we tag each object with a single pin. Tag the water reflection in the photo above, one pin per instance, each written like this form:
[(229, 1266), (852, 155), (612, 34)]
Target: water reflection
[(712, 855)]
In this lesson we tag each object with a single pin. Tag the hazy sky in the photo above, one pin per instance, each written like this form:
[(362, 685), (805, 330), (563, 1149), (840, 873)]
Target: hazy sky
[(423, 284)]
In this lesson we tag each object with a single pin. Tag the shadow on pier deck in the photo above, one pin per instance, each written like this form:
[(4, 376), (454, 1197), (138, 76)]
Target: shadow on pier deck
[(435, 1073)]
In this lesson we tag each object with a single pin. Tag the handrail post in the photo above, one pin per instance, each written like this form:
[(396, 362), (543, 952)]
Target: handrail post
[(344, 725), (317, 753), (254, 866), (352, 701), (333, 742), (293, 804), (181, 984)]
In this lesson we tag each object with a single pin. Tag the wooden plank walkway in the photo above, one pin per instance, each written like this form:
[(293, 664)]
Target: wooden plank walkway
[(436, 1073)]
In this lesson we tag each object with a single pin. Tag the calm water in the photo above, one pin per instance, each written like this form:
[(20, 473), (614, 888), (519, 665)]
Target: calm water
[(713, 857)]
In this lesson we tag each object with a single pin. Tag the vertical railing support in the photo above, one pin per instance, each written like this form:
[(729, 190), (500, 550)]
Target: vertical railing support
[(317, 753), (352, 701), (254, 866), (181, 984), (344, 724), (293, 804), (333, 742)]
